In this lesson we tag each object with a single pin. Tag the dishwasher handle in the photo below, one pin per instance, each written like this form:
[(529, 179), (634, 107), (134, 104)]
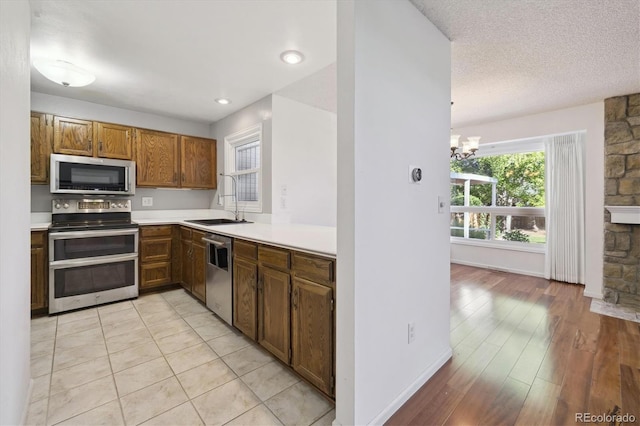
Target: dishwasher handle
[(215, 243)]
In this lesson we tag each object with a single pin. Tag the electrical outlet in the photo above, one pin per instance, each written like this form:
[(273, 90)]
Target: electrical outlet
[(283, 203), (147, 201), (411, 331)]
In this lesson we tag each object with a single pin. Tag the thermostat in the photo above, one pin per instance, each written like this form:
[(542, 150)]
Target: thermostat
[(415, 174)]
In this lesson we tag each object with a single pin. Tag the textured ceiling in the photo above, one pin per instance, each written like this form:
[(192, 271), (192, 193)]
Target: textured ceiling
[(174, 58), (518, 57)]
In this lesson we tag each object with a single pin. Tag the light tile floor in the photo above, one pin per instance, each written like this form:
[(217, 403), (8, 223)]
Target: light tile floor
[(162, 359)]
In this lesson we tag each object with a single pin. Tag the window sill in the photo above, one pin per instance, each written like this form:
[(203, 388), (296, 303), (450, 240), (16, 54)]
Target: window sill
[(501, 245)]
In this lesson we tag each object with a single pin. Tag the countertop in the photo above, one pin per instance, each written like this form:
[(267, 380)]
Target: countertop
[(308, 238), (312, 239)]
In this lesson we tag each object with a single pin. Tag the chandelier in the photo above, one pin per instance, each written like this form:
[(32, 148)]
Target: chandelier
[(469, 147)]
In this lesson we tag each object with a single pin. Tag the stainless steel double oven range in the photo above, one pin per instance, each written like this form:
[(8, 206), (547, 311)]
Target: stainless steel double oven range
[(93, 244)]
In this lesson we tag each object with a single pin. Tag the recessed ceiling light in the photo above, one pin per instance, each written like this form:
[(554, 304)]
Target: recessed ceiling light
[(63, 72), (292, 57), (223, 101)]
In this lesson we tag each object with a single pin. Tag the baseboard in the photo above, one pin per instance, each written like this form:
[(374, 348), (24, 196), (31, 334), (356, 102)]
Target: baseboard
[(25, 410), (413, 388), (495, 268), (593, 294)]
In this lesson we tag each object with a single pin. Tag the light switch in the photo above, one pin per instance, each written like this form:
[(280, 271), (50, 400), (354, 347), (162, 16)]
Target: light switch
[(442, 204)]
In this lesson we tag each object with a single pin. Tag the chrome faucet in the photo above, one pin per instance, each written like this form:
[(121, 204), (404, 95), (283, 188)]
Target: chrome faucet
[(235, 190)]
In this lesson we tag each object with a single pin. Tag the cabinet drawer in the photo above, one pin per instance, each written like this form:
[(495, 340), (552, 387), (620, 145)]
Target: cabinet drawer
[(197, 237), (313, 268), (155, 274), (155, 231), (280, 259), (155, 249), (245, 249), (185, 233), (38, 238)]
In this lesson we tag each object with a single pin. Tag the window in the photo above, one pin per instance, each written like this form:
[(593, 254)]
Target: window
[(500, 196), (243, 158)]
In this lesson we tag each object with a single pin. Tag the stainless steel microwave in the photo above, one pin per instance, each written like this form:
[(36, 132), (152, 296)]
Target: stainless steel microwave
[(71, 174)]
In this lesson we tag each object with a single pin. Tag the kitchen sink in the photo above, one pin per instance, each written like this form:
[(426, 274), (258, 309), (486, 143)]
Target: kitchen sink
[(211, 222)]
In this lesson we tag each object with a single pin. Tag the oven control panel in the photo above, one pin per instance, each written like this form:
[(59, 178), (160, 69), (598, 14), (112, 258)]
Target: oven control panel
[(90, 205)]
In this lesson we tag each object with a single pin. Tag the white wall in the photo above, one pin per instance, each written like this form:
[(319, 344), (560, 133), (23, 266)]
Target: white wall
[(499, 258), (586, 117), (163, 199), (304, 161), (393, 110), (15, 287), (257, 112)]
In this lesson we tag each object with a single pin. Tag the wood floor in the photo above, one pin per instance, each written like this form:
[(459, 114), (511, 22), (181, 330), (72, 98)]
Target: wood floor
[(528, 351)]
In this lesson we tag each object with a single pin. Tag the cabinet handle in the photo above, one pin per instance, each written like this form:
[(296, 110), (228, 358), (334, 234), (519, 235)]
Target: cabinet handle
[(100, 146), (175, 176), (183, 179), (260, 284), (295, 299)]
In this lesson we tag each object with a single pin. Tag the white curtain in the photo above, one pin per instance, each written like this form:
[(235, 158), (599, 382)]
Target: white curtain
[(564, 173)]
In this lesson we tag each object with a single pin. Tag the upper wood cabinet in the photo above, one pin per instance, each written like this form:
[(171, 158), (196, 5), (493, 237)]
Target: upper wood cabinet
[(156, 159), (72, 136), (114, 141), (198, 162), (41, 138), (92, 138)]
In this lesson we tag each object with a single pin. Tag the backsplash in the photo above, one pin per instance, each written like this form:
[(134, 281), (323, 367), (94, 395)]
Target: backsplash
[(622, 188), (163, 199)]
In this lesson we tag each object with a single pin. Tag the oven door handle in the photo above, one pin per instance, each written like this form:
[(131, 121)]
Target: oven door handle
[(90, 234), (86, 261)]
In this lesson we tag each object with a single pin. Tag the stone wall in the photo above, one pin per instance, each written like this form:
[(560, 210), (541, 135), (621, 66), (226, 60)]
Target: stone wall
[(622, 188)]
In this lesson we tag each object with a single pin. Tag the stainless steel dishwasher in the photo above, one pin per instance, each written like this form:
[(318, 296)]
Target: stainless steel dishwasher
[(219, 290)]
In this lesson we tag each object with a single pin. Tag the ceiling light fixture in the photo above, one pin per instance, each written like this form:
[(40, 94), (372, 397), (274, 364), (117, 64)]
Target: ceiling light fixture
[(223, 101), (64, 73), (469, 147), (291, 57)]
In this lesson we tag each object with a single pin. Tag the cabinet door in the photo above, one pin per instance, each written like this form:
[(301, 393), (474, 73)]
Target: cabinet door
[(244, 295), (114, 141), (41, 133), (312, 330), (199, 271), (156, 159), (198, 162), (38, 278), (187, 264), (72, 136), (274, 315), (155, 274), (155, 249)]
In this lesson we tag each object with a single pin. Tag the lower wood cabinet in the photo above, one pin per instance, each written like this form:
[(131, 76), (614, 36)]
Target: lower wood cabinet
[(312, 333), (155, 256), (193, 262), (285, 300), (245, 303), (39, 270), (274, 334)]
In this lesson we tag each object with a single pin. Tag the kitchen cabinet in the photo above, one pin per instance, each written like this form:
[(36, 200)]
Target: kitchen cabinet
[(114, 141), (72, 136), (39, 270), (156, 159), (285, 300), (41, 140), (245, 282), (312, 333), (198, 163), (155, 256), (193, 262), (274, 289)]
